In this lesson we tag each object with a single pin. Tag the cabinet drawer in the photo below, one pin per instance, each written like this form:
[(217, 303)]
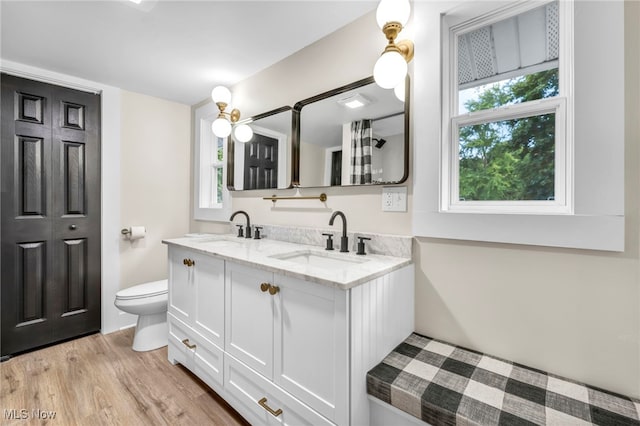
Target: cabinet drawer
[(196, 353), (208, 359), (178, 351), (249, 387)]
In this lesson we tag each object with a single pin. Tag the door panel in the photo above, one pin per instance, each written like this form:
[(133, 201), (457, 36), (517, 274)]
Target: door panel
[(50, 231), (30, 169), (31, 279), (73, 159), (76, 273)]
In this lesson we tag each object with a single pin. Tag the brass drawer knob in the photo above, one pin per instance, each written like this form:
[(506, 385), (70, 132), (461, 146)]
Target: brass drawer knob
[(273, 289), (187, 344), (188, 262), (263, 404), (265, 287)]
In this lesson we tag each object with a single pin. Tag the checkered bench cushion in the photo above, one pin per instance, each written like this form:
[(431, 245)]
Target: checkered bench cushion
[(444, 384)]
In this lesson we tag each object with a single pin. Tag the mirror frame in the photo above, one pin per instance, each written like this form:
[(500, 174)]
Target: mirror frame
[(231, 150), (295, 150)]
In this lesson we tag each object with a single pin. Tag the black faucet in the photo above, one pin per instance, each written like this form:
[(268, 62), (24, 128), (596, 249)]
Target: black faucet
[(248, 234), (344, 240)]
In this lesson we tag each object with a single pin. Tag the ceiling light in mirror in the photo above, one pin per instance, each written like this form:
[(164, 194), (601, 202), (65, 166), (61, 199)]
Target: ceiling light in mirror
[(354, 101)]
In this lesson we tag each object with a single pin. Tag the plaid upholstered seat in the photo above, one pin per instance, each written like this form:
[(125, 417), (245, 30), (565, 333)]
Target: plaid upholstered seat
[(444, 384)]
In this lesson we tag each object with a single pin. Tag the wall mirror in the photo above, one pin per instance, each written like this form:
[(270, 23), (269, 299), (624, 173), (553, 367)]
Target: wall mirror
[(263, 162), (353, 135)]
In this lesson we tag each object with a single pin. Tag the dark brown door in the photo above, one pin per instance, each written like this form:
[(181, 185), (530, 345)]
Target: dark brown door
[(50, 224), (336, 168), (261, 163)]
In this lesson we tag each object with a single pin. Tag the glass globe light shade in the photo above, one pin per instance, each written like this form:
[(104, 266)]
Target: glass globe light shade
[(221, 94), (243, 133), (221, 127), (390, 70), (393, 11), (399, 90)]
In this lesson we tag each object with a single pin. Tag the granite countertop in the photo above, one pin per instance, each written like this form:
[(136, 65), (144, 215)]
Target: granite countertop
[(331, 268)]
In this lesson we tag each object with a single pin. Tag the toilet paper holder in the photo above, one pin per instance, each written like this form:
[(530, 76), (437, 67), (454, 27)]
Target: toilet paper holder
[(134, 232)]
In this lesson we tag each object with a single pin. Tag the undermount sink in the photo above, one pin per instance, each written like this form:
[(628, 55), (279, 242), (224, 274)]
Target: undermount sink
[(319, 259), (220, 241)]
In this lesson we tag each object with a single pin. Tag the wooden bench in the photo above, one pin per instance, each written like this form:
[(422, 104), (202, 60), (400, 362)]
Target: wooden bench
[(443, 384)]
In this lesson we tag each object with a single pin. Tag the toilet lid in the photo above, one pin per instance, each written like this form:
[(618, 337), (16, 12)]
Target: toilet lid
[(154, 288)]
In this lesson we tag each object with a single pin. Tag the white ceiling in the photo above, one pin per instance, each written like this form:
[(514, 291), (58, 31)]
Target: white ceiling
[(176, 50)]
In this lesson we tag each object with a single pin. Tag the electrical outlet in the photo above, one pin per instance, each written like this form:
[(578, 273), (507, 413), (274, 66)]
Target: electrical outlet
[(394, 199)]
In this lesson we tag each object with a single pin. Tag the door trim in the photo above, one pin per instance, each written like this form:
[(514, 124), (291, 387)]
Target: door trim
[(110, 178)]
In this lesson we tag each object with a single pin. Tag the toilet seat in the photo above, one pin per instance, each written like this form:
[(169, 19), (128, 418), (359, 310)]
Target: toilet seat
[(141, 291)]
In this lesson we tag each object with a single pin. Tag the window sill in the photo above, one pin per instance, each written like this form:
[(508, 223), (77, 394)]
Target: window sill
[(553, 230)]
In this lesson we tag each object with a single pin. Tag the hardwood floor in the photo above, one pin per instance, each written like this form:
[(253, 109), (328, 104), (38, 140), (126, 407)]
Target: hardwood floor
[(99, 380)]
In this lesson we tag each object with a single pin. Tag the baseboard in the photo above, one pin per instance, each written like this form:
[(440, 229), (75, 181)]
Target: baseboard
[(126, 320)]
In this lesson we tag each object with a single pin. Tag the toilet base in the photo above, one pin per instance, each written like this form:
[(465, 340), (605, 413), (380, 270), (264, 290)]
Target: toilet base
[(151, 332)]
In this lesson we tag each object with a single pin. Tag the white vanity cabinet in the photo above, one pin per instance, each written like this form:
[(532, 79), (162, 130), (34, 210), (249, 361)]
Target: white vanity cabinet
[(292, 332), (280, 349), (196, 313)]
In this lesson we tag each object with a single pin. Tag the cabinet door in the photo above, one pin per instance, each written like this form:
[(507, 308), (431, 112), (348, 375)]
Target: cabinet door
[(311, 346), (249, 317), (181, 288), (208, 302)]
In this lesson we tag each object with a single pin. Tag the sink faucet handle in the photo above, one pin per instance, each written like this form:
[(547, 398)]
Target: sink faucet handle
[(240, 233), (361, 245), (256, 235), (329, 241)]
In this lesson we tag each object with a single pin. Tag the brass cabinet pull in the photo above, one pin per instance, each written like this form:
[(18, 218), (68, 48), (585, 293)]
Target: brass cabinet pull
[(187, 344), (188, 262), (272, 289), (263, 404)]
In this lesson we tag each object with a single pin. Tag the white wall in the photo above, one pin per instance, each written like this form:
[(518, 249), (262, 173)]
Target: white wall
[(572, 312), (392, 153), (312, 161), (154, 167)]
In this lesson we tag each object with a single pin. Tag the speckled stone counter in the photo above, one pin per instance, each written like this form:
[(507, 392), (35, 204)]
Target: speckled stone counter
[(342, 270)]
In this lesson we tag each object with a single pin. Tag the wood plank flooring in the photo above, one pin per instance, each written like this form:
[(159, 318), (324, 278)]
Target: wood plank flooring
[(99, 380)]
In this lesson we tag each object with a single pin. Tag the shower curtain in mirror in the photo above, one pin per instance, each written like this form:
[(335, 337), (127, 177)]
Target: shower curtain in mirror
[(361, 136)]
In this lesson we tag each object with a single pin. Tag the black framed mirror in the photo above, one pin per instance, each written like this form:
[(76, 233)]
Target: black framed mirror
[(265, 161), (357, 134)]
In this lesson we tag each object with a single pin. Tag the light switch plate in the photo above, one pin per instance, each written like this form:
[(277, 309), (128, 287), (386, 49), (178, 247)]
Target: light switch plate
[(394, 199)]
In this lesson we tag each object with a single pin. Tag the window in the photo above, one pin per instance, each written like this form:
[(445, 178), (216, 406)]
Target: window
[(211, 197), (505, 125), (506, 197)]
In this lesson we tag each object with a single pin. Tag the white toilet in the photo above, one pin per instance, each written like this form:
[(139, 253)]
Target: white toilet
[(149, 302)]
